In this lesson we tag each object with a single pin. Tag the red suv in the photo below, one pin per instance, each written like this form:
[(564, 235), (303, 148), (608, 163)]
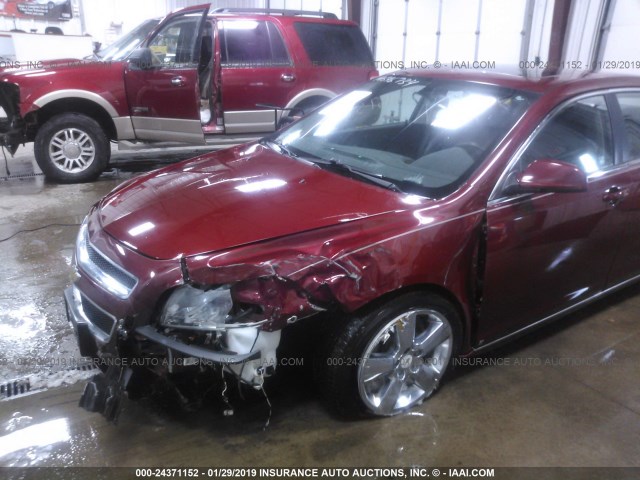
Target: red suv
[(201, 76)]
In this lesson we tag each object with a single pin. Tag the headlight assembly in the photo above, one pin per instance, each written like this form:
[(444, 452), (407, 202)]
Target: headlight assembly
[(194, 309)]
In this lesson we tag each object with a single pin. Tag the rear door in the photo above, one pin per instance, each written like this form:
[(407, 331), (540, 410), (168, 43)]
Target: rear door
[(547, 252), (164, 97), (257, 69)]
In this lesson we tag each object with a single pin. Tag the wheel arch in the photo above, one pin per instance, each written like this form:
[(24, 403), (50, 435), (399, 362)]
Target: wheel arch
[(432, 288), (83, 104), (310, 95)]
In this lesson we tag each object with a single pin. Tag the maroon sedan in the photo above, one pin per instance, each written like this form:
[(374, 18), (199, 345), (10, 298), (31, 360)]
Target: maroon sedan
[(418, 217)]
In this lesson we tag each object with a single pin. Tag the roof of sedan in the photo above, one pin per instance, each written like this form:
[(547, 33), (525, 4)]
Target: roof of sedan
[(569, 81)]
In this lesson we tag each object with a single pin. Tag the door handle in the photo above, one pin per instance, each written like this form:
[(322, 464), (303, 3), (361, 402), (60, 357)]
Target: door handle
[(614, 195), (178, 81), (287, 77)]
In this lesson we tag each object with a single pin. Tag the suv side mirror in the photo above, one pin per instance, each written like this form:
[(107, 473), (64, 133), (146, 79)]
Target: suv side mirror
[(142, 59), (549, 175)]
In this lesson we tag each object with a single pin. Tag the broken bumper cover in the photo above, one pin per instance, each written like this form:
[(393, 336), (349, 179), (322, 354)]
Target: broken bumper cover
[(223, 358), (85, 331), (100, 331)]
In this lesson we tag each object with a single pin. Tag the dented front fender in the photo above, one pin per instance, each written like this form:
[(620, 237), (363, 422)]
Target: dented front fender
[(343, 267)]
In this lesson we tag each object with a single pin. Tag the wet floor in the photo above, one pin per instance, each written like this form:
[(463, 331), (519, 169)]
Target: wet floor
[(567, 395)]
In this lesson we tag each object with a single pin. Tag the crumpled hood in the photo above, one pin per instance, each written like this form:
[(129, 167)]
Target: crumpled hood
[(232, 198)]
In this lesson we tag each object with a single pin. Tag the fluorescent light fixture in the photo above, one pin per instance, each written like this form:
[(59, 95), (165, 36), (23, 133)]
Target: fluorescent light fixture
[(589, 163), (338, 110), (292, 137), (461, 111), (260, 186), (142, 228), (412, 200), (240, 25)]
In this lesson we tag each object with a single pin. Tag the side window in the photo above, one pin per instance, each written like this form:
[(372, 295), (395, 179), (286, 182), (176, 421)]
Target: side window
[(252, 43), (580, 134), (630, 106), (334, 45), (175, 44)]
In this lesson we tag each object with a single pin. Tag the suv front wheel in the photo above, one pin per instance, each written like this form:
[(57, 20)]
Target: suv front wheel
[(72, 148)]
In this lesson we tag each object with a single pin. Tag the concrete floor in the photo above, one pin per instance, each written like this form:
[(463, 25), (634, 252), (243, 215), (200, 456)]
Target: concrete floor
[(567, 395)]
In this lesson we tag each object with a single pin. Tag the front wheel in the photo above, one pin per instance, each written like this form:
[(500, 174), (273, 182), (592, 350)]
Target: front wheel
[(393, 358), (72, 148)]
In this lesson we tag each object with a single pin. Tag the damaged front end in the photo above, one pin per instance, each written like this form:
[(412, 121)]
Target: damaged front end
[(198, 333), (12, 126), (213, 320)]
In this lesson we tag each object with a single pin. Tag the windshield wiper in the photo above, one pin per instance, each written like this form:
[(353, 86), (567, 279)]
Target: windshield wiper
[(335, 166)]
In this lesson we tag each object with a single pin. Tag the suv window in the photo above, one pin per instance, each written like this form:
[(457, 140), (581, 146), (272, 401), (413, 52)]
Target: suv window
[(630, 106), (176, 42), (580, 135), (251, 43), (334, 45)]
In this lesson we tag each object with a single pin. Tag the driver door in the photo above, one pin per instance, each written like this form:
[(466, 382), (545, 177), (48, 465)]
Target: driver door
[(164, 94), (549, 251)]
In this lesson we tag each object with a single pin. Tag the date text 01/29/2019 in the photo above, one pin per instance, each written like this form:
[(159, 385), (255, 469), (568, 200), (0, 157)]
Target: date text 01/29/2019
[(274, 473)]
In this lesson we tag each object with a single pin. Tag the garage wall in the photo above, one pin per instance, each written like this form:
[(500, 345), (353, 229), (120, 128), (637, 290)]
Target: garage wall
[(69, 27), (417, 33), (108, 20), (621, 53)]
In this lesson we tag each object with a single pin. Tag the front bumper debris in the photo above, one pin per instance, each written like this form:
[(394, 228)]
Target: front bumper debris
[(12, 128), (222, 358), (105, 391)]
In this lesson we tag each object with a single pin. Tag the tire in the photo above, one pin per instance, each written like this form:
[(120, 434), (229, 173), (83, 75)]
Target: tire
[(72, 148), (372, 369)]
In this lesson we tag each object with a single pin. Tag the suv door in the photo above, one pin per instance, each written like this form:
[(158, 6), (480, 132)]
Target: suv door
[(164, 94), (256, 69), (547, 252)]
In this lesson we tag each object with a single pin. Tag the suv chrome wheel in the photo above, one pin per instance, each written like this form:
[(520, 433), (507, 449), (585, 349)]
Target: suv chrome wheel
[(405, 361), (72, 150)]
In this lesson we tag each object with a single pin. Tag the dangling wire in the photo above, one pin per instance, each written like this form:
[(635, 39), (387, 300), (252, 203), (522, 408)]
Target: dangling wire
[(6, 162), (228, 412), (264, 392)]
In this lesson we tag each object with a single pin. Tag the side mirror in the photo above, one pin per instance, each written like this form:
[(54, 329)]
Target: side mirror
[(142, 59), (550, 176)]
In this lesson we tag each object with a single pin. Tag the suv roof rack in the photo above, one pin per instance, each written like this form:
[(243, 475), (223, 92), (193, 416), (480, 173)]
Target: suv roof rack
[(269, 11)]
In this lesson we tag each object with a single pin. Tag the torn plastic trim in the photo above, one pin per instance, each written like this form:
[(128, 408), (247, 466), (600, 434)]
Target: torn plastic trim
[(218, 328), (223, 358)]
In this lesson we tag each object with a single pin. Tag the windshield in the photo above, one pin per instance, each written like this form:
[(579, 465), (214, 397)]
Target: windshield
[(422, 136), (121, 48)]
